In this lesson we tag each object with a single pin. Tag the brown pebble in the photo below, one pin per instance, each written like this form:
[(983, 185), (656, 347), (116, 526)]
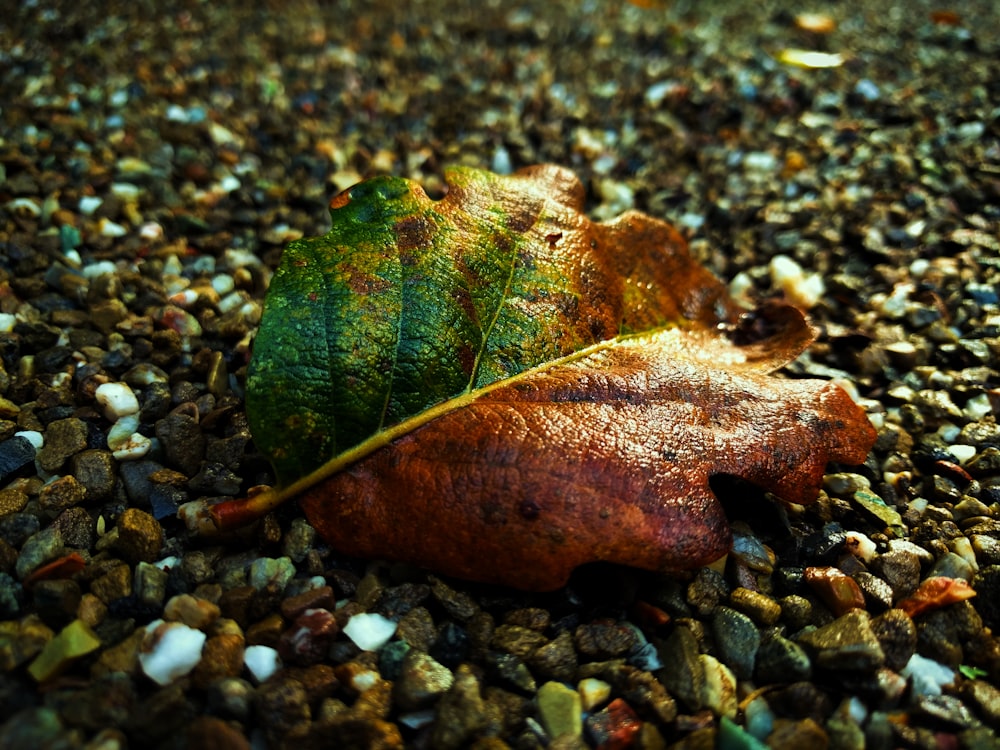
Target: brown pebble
[(114, 584), (221, 656), (62, 493), (759, 607), (91, 610), (317, 598), (235, 603), (63, 438), (212, 733), (266, 632), (192, 611), (140, 536), (12, 501), (838, 590)]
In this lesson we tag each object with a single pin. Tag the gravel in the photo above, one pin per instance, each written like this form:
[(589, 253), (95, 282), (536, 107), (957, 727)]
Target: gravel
[(154, 163)]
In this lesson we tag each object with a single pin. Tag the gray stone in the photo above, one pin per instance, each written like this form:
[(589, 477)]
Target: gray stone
[(736, 639), (182, 439), (781, 660), (684, 674), (39, 549)]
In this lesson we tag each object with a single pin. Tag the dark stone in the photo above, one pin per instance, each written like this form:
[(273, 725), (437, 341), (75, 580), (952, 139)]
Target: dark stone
[(182, 439), (604, 640), (17, 459), (451, 646), (95, 470)]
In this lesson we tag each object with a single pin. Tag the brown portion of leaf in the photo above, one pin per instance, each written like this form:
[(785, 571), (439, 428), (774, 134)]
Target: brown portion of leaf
[(607, 458)]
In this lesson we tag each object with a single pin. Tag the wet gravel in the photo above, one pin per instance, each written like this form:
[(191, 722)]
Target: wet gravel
[(152, 165)]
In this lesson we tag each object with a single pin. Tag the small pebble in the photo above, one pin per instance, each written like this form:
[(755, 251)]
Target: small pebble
[(117, 400), (369, 631), (262, 661), (169, 651), (560, 710)]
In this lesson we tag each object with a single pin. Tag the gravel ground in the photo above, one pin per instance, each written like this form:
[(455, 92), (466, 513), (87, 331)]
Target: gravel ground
[(153, 165)]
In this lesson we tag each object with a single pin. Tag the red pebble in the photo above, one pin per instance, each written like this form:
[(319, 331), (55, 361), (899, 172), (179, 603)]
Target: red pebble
[(934, 593), (614, 727)]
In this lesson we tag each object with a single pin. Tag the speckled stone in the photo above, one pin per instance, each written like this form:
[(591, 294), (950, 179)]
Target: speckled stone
[(140, 536), (555, 660), (182, 439), (421, 681), (684, 677), (897, 635), (520, 642), (221, 657), (63, 438), (781, 660), (212, 733), (62, 493), (460, 714), (12, 500), (282, 708), (39, 549), (604, 640), (737, 639), (95, 470), (761, 608), (847, 643)]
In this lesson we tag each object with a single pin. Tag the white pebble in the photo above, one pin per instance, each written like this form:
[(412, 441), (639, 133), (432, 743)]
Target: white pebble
[(32, 436), (229, 183), (151, 231), (117, 399), (24, 207), (170, 650), (88, 204), (122, 430), (262, 661), (101, 267), (927, 676), (962, 453), (860, 546), (978, 407), (231, 301), (108, 228), (126, 191), (223, 283), (802, 289), (7, 322), (369, 631), (134, 448)]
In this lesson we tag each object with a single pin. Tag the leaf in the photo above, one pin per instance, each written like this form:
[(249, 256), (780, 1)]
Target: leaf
[(408, 302), (494, 387)]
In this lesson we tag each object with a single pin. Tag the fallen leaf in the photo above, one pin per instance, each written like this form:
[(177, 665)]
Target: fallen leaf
[(494, 387)]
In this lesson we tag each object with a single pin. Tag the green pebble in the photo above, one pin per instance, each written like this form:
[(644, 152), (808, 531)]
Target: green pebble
[(560, 710), (270, 571), (73, 641), (874, 506), (733, 737)]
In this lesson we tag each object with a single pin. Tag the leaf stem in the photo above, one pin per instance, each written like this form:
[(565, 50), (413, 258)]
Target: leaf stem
[(232, 514)]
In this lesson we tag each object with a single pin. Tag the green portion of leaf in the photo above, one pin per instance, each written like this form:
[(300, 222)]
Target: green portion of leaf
[(407, 302)]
